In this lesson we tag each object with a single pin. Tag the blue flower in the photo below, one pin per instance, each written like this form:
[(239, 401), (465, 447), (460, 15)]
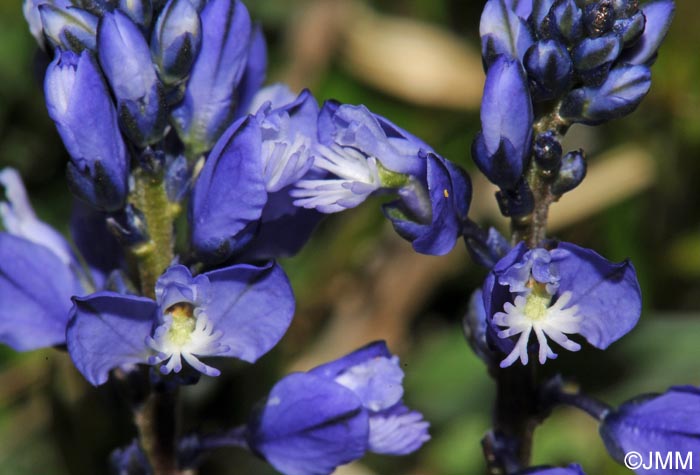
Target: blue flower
[(81, 106), (243, 191), (313, 422), (665, 423), (432, 223), (240, 311), (567, 290), (360, 154), (38, 274)]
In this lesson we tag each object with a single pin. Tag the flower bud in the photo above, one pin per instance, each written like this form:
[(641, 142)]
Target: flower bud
[(621, 92), (549, 69), (69, 28), (547, 151), (599, 17), (140, 11), (564, 22), (81, 106), (211, 97), (571, 172), (658, 16), (126, 61), (30, 8), (630, 29), (516, 201), (176, 40), (593, 57), (503, 146), (502, 31)]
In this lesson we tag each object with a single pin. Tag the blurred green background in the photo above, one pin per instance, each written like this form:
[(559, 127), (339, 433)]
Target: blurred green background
[(416, 62)]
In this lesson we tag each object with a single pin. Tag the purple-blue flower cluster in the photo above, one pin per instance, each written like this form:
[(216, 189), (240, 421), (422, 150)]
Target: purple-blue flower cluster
[(161, 109)]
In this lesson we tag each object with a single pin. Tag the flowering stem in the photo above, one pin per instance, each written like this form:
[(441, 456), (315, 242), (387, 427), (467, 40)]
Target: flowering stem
[(156, 254), (157, 426), (156, 417), (515, 415), (532, 228), (517, 411)]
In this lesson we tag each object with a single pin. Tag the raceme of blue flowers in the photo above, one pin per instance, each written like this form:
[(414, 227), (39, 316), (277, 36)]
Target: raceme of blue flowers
[(162, 109)]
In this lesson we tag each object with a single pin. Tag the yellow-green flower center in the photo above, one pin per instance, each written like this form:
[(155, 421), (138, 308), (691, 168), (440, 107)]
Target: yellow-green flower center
[(537, 302), (183, 323)]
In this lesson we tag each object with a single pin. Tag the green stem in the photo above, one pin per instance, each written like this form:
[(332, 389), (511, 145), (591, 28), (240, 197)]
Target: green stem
[(156, 254), (156, 415)]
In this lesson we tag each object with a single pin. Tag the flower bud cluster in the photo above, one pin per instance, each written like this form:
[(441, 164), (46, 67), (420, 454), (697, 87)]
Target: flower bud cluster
[(550, 64)]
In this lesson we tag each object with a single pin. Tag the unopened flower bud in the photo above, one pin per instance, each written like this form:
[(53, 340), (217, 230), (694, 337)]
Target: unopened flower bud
[(571, 172)]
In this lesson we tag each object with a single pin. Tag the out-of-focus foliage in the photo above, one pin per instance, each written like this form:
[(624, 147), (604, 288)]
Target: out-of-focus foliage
[(356, 282)]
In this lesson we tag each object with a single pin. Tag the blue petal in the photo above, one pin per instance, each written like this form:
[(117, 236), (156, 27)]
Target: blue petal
[(30, 8), (125, 58), (333, 369), (18, 218), (283, 231), (620, 94), (255, 71), (565, 22), (540, 9), (502, 148), (309, 426), (658, 15), (81, 106), (593, 56), (35, 291), (449, 191), (374, 136), (273, 96), (666, 423), (211, 96), (607, 294), (377, 382), (398, 431), (253, 307), (177, 285), (229, 195), (109, 330), (68, 27), (176, 39), (549, 69), (503, 31)]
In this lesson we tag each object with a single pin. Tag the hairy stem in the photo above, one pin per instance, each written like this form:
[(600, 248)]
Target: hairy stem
[(156, 254), (156, 415)]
